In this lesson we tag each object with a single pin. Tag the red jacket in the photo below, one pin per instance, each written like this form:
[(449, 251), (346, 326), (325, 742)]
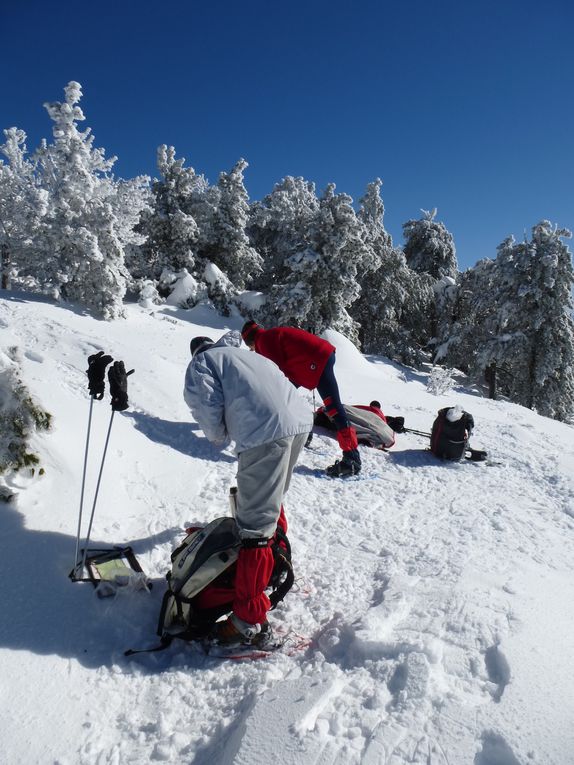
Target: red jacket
[(300, 355)]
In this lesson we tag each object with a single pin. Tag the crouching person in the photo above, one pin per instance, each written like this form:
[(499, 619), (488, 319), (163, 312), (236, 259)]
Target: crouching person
[(239, 396)]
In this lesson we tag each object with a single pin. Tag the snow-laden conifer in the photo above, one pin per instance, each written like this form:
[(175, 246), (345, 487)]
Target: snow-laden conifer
[(22, 205), (338, 238), (79, 252), (371, 214), (281, 230), (393, 307), (513, 323), (393, 301), (225, 241), (280, 227), (429, 247), (533, 329), (169, 228)]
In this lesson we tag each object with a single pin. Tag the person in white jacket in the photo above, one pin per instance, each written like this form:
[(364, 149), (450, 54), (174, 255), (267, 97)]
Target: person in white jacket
[(238, 396)]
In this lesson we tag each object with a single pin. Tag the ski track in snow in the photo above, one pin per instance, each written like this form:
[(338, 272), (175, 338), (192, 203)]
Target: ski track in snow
[(407, 578)]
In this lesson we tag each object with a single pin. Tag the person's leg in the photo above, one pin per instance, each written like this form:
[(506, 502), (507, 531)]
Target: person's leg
[(262, 475), (346, 435)]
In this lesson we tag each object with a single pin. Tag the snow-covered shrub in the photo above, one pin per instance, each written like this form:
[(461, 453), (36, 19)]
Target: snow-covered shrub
[(20, 417), (219, 288), (440, 380), (184, 290), (148, 296)]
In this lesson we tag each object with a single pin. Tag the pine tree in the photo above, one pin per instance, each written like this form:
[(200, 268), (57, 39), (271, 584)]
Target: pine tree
[(471, 316), (79, 253), (338, 237), (533, 319), (394, 300), (281, 228), (514, 323), (168, 227), (392, 309), (22, 205), (371, 214), (227, 244), (429, 247)]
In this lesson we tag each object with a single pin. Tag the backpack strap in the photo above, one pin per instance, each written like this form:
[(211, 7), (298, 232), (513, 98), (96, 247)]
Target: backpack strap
[(165, 642), (279, 593)]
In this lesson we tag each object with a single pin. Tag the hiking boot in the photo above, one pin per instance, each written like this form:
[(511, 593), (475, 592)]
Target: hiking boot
[(349, 465), (234, 631), (264, 637)]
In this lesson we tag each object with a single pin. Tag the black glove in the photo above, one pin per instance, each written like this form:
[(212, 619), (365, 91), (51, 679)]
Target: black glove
[(118, 379), (397, 424), (96, 372)]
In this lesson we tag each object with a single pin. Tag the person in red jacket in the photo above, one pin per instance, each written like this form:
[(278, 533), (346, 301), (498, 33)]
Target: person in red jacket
[(308, 361)]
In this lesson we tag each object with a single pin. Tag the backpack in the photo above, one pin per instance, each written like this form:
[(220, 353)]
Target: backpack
[(449, 439), (201, 582)]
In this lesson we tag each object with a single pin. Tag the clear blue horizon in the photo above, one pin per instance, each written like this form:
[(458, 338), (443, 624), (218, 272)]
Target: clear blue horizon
[(464, 107)]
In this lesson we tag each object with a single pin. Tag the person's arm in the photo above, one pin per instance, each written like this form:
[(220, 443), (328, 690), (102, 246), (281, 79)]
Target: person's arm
[(204, 396)]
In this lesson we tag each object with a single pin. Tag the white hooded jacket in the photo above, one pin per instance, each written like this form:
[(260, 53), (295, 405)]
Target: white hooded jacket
[(238, 395)]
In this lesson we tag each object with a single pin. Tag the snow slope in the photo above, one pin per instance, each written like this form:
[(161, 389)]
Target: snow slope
[(437, 598)]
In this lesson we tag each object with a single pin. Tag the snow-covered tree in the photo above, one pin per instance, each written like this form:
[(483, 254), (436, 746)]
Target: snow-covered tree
[(394, 300), (226, 243), (79, 253), (514, 326), (280, 229), (313, 250), (429, 247), (533, 331), (371, 214), (338, 239), (22, 205), (392, 309), (169, 228), (471, 306)]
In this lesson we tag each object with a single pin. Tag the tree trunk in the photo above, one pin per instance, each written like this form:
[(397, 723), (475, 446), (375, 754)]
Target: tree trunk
[(5, 263), (490, 377)]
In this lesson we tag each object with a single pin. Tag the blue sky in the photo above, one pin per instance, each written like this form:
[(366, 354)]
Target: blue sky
[(463, 106)]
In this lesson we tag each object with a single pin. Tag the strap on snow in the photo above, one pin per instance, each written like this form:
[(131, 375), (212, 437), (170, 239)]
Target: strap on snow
[(166, 641)]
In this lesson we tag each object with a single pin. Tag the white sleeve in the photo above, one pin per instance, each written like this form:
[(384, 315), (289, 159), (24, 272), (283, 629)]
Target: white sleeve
[(204, 396)]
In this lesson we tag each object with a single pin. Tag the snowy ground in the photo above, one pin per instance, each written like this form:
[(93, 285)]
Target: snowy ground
[(437, 597)]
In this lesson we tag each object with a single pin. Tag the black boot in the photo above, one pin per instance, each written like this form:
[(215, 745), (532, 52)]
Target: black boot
[(349, 465)]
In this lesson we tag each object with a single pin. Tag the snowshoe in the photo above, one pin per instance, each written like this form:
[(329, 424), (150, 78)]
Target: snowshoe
[(344, 468), (227, 634)]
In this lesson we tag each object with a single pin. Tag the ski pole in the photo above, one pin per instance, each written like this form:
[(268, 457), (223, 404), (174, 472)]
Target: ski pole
[(416, 432), (76, 562), (97, 490)]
